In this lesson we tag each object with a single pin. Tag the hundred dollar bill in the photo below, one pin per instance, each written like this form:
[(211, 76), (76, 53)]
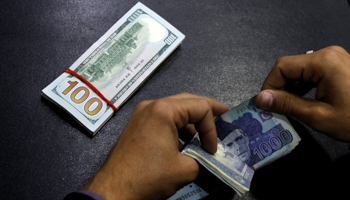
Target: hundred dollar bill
[(117, 64), (248, 139)]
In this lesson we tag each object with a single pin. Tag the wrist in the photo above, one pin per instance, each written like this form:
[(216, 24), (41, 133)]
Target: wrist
[(109, 186)]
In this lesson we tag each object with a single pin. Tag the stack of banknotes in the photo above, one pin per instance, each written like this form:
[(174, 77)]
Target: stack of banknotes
[(248, 139), (116, 65)]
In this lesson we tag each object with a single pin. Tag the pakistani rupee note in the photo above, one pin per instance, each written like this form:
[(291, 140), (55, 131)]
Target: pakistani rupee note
[(117, 64), (189, 192), (248, 139)]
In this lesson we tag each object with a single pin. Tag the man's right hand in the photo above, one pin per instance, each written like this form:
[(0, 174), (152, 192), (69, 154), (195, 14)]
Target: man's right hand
[(145, 162), (292, 76)]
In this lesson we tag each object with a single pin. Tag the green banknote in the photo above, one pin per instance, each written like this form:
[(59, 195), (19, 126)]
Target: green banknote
[(116, 65)]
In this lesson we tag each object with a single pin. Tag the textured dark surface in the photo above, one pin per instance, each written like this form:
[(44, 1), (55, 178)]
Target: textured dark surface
[(230, 47)]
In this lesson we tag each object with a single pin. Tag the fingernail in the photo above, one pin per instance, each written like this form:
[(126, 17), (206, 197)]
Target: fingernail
[(266, 100)]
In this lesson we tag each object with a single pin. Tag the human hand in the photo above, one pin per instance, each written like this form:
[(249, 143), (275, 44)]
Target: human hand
[(145, 162), (328, 70)]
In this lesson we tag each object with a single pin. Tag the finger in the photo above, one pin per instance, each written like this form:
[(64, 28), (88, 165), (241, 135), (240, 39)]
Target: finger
[(200, 113), (187, 168), (299, 67), (143, 104), (308, 68), (306, 110), (218, 107), (339, 50), (185, 95)]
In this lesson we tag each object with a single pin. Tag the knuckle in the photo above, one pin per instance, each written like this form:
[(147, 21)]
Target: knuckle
[(161, 108), (204, 104), (141, 105), (336, 48), (280, 61), (331, 56)]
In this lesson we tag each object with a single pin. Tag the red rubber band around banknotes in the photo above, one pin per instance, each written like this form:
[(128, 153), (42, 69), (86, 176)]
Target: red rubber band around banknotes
[(69, 71)]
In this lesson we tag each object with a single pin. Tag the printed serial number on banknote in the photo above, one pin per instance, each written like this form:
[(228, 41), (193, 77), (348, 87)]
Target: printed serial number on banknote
[(117, 64)]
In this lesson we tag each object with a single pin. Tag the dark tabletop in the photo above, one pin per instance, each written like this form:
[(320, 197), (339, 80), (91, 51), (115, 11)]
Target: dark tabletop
[(229, 49)]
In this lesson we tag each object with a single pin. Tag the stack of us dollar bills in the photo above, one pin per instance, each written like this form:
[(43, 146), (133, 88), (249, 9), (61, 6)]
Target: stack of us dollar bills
[(116, 65), (248, 139)]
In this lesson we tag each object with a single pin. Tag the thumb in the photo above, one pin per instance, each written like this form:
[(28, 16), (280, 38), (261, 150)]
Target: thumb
[(287, 103), (187, 169)]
